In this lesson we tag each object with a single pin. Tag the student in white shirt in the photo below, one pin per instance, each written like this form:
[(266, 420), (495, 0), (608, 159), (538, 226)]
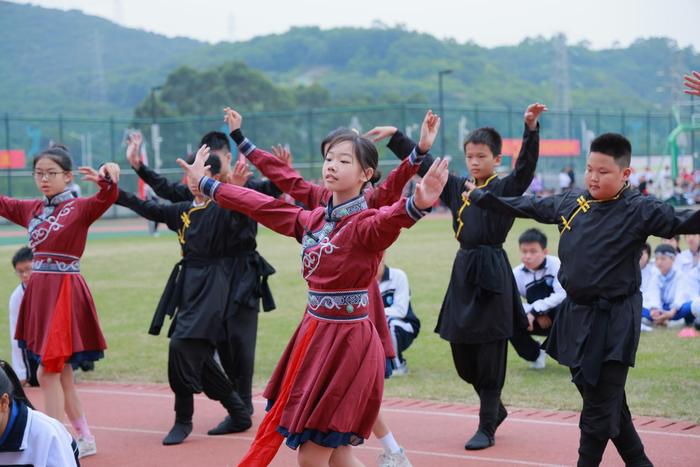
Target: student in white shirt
[(667, 301), (688, 258), (24, 366), (648, 270), (537, 282), (29, 437)]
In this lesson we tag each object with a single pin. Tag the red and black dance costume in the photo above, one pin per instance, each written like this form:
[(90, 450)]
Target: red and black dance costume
[(327, 386), (312, 196), (57, 320)]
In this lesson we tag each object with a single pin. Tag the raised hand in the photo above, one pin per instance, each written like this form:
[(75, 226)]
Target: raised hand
[(283, 154), (378, 133), (89, 174), (431, 185), (233, 119), (533, 113), (196, 170), (428, 131), (133, 150), (692, 83), (110, 171), (241, 172)]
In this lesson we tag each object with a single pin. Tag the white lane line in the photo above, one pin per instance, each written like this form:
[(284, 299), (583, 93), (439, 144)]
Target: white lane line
[(435, 413), (362, 447)]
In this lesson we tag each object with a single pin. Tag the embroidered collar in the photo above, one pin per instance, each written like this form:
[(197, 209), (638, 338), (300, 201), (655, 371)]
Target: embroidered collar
[(336, 213), (59, 198)]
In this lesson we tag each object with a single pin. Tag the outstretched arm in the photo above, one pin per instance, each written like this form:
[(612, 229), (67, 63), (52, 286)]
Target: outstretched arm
[(277, 215), (151, 210), (544, 210), (520, 178), (663, 220), (276, 169), (17, 211), (390, 189), (173, 192), (378, 232), (106, 179)]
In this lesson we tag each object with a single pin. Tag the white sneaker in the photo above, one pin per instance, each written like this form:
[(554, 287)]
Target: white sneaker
[(402, 370), (647, 322), (675, 323), (646, 328), (86, 447), (541, 361), (393, 459)]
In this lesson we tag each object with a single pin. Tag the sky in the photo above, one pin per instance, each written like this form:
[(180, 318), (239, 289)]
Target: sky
[(602, 23)]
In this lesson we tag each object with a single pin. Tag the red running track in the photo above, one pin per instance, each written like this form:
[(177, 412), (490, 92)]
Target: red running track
[(130, 420)]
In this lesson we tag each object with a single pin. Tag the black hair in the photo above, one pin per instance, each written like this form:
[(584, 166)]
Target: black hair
[(614, 145), (488, 136), (364, 150), (665, 249), (332, 135), (533, 236), (214, 164), (57, 153), (10, 385), (22, 255), (647, 248), (212, 161), (216, 140)]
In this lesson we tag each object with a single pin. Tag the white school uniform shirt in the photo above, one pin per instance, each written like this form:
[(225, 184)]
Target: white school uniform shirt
[(46, 442), (17, 355), (684, 262), (664, 289), (648, 282), (524, 277), (398, 283), (688, 289)]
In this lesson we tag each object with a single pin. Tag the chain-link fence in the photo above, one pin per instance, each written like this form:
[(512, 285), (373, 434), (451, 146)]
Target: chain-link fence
[(93, 141)]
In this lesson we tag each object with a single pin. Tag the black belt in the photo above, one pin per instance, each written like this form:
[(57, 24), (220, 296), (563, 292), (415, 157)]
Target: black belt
[(594, 346), (481, 270)]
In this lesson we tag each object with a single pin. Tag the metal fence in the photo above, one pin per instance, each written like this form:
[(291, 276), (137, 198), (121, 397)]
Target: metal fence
[(93, 141)]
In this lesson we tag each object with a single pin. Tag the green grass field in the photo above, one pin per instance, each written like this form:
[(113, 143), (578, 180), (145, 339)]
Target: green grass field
[(127, 274)]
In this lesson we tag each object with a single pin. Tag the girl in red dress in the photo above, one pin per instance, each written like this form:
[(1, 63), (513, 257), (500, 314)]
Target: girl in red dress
[(325, 393), (57, 321)]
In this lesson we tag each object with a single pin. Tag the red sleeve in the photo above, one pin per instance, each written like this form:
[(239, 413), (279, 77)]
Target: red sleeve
[(96, 205), (378, 231), (277, 215), (18, 211), (287, 179), (390, 190)]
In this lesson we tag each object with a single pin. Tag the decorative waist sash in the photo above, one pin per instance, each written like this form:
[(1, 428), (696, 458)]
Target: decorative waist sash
[(56, 263), (342, 306)]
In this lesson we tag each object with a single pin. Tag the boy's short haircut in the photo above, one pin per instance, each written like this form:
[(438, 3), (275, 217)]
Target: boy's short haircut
[(533, 236), (614, 145), (666, 250), (22, 255), (488, 136), (216, 140)]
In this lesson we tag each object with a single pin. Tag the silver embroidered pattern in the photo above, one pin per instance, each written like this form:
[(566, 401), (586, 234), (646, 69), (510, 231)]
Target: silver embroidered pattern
[(338, 301), (49, 265), (38, 235)]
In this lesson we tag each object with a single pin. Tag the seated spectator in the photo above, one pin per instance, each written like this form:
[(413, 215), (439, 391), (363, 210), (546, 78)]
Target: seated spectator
[(667, 301)]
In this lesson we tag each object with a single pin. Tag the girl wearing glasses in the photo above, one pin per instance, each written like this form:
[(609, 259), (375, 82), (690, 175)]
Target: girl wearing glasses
[(57, 322)]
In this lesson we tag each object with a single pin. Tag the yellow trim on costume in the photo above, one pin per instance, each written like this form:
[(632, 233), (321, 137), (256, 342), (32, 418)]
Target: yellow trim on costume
[(185, 217), (465, 198), (585, 205)]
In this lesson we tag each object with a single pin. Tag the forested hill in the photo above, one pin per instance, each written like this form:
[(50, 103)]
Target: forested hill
[(55, 61)]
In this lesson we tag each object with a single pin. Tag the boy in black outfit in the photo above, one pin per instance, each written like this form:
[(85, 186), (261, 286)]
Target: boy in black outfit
[(596, 333)]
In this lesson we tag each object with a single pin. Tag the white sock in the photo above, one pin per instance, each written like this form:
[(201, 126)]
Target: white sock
[(389, 443)]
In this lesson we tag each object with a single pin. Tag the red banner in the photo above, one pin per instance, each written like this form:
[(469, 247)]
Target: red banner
[(12, 159), (548, 147)]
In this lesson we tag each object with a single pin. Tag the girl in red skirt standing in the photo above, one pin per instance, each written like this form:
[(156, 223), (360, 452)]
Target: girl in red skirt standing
[(57, 322), (325, 393)]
